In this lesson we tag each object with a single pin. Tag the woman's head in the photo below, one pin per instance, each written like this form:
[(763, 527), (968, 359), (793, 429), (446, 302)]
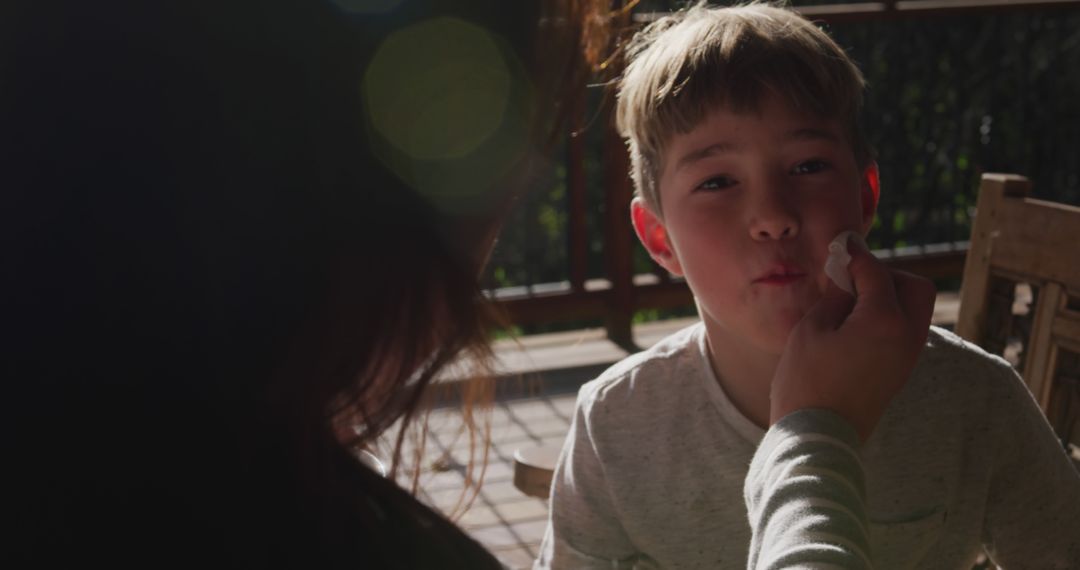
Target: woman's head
[(217, 247)]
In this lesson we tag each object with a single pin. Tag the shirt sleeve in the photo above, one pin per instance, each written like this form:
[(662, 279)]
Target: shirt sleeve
[(1033, 508), (805, 496), (583, 529)]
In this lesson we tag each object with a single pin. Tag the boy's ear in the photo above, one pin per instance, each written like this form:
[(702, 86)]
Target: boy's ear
[(653, 235), (869, 193)]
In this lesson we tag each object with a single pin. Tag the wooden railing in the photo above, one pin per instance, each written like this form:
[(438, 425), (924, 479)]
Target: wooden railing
[(893, 9), (615, 296)]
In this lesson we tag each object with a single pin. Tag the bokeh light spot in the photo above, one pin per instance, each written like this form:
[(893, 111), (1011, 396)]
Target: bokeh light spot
[(438, 89)]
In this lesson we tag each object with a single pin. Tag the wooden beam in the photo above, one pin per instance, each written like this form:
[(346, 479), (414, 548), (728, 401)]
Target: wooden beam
[(1026, 246), (576, 186), (619, 245), (863, 11)]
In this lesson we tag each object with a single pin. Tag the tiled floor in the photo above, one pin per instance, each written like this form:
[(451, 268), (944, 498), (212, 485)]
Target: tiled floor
[(502, 518), (506, 521)]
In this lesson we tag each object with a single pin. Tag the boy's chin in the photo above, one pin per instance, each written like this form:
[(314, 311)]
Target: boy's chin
[(775, 340), (775, 343), (768, 340), (766, 336)]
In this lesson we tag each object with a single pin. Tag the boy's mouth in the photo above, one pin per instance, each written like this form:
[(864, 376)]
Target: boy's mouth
[(780, 275)]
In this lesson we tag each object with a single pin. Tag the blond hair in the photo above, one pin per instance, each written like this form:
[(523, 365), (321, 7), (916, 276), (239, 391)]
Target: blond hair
[(687, 64)]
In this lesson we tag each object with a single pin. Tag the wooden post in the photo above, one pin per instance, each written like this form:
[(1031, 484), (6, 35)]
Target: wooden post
[(619, 243), (576, 182)]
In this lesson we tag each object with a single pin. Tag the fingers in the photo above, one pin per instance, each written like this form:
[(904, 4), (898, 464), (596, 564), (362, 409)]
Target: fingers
[(831, 310), (916, 297), (873, 282)]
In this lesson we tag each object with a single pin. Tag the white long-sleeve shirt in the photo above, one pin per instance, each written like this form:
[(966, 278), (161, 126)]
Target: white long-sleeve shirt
[(806, 495), (652, 474)]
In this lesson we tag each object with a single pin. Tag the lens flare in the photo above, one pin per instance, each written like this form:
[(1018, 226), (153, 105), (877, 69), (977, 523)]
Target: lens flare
[(447, 106), (437, 90)]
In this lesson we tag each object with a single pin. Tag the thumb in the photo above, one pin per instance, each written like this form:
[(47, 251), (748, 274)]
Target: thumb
[(916, 296), (872, 279), (831, 310)]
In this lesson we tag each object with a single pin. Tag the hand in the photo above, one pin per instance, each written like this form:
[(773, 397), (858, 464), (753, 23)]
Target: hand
[(850, 354)]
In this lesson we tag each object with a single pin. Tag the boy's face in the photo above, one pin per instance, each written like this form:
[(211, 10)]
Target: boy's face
[(750, 203)]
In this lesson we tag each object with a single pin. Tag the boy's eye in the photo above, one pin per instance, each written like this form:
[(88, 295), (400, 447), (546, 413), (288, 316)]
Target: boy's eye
[(809, 167), (716, 183)]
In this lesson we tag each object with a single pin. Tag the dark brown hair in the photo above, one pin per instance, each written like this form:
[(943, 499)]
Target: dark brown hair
[(211, 274)]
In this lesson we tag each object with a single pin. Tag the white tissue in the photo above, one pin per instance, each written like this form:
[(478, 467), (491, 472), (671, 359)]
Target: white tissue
[(837, 262)]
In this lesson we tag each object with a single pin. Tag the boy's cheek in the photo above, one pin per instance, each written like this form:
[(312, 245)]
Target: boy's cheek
[(822, 281), (818, 279)]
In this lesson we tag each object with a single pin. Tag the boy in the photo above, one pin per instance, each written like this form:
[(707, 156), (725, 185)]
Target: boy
[(748, 160)]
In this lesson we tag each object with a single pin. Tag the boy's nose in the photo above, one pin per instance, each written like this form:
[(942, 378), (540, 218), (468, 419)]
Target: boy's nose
[(772, 218), (777, 231)]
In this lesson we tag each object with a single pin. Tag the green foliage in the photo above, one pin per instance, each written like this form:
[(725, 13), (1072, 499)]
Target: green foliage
[(952, 97)]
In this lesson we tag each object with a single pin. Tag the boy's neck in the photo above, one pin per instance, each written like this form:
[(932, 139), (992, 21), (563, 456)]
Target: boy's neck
[(744, 372)]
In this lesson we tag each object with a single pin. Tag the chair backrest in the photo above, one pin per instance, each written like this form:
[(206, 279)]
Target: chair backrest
[(1020, 295)]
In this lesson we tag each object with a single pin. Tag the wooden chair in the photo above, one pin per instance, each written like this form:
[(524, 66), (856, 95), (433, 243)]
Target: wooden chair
[(1020, 296), (534, 467)]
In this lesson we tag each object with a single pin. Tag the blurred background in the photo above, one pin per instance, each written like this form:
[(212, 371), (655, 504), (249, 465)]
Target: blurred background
[(956, 88)]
